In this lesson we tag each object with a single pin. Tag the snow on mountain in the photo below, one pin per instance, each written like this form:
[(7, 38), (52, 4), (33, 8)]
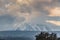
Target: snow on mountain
[(37, 27)]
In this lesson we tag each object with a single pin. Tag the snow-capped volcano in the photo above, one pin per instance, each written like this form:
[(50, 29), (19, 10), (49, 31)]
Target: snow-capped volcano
[(37, 27)]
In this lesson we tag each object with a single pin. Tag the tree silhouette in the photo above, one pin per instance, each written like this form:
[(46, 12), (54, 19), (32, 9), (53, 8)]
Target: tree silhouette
[(46, 36)]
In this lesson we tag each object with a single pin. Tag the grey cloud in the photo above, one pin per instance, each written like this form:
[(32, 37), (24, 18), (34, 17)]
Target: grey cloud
[(56, 18), (58, 0), (36, 5), (7, 22), (40, 6), (25, 9), (6, 19), (20, 19)]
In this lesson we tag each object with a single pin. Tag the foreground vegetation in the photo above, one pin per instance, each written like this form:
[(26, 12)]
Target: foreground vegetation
[(47, 36)]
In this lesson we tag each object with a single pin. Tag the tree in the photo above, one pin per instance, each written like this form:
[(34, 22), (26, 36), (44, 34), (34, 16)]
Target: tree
[(46, 36)]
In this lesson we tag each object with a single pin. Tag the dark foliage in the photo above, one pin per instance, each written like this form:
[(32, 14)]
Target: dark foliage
[(46, 36), (58, 38)]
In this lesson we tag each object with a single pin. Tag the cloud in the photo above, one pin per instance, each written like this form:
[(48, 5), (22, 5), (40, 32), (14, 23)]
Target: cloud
[(6, 19), (57, 23), (8, 22), (28, 6), (55, 11)]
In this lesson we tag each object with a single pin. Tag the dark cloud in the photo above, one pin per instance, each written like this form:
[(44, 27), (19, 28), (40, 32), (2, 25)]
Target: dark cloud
[(6, 19), (55, 18), (58, 0)]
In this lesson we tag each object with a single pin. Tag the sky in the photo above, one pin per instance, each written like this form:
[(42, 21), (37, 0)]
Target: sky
[(14, 14)]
